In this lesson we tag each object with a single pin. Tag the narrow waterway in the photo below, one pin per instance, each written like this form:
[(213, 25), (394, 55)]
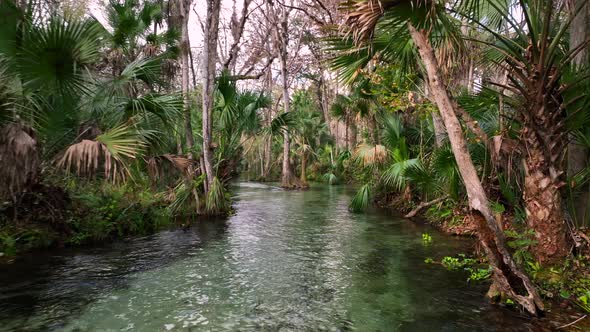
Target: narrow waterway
[(286, 261)]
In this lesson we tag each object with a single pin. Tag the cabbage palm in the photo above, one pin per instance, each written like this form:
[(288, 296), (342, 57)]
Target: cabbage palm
[(309, 129), (425, 21), (131, 22), (540, 87)]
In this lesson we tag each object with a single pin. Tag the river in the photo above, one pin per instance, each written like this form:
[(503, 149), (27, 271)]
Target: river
[(286, 261)]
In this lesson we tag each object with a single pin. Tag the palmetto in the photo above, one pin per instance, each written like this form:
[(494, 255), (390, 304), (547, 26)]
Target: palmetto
[(83, 118)]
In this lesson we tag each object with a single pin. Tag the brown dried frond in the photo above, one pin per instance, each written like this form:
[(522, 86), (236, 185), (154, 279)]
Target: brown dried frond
[(19, 159), (87, 157), (371, 154), (88, 130), (183, 165), (362, 16)]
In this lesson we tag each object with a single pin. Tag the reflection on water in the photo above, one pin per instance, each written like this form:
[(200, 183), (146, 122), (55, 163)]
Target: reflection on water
[(287, 261)]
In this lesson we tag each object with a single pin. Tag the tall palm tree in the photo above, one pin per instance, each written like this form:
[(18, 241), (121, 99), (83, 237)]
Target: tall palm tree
[(424, 21)]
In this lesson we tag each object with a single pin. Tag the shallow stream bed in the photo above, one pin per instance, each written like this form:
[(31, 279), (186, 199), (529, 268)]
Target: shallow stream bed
[(286, 261)]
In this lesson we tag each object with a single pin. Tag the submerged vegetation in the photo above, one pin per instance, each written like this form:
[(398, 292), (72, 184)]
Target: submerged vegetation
[(474, 114)]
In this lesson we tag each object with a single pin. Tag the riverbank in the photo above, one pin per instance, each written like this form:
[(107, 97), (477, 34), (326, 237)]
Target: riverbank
[(565, 287), (79, 214)]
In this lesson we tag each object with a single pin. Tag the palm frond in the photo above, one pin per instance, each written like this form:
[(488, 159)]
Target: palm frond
[(361, 199), (371, 155)]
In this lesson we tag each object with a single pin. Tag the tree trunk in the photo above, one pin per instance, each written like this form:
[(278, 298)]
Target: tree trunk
[(542, 199), (287, 178), (352, 135), (185, 64), (506, 275), (578, 155), (209, 61), (268, 120), (303, 177), (346, 138), (439, 129)]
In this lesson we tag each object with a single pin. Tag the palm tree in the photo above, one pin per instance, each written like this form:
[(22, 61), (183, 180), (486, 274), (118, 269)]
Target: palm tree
[(131, 23), (308, 131), (540, 93), (419, 19)]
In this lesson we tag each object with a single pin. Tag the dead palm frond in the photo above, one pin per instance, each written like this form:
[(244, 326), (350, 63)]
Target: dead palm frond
[(370, 155), (156, 165), (19, 159), (109, 151)]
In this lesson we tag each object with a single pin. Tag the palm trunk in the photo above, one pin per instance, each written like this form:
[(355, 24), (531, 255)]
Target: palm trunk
[(544, 146), (543, 206), (578, 156), (287, 173), (346, 139), (209, 60), (506, 275)]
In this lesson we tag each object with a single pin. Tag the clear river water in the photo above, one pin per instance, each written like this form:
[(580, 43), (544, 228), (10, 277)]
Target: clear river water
[(286, 261)]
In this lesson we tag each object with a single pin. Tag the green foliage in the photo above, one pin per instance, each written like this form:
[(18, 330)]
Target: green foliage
[(217, 200), (479, 274), (583, 301), (426, 239), (521, 242), (361, 199), (330, 178), (7, 244), (470, 265), (111, 211)]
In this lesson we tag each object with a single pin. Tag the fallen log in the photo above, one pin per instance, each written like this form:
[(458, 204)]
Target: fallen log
[(424, 205)]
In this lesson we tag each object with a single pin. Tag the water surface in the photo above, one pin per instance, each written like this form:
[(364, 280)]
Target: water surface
[(286, 261)]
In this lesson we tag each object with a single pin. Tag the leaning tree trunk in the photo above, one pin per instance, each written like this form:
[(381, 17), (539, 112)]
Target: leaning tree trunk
[(209, 60), (507, 277)]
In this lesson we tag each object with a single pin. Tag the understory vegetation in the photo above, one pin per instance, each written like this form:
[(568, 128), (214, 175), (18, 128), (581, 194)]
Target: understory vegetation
[(474, 115)]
